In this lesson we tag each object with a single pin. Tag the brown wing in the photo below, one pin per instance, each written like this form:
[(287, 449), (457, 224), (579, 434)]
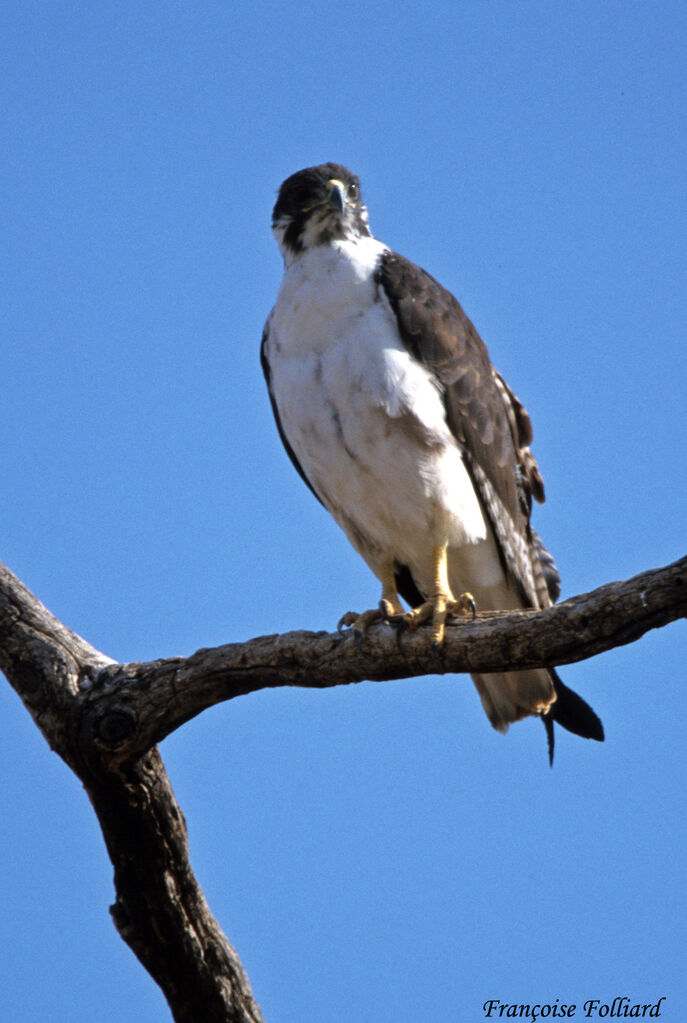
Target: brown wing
[(484, 415), (530, 485)]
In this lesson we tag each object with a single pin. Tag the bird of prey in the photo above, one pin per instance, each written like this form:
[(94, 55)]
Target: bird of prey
[(391, 411)]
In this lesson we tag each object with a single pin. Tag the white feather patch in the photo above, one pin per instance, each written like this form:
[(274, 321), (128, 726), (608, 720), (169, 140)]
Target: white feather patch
[(366, 420)]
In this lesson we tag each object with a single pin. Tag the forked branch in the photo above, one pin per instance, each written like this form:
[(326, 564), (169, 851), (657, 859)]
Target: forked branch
[(104, 720)]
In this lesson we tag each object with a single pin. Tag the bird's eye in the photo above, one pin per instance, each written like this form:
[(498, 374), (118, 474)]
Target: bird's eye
[(353, 190)]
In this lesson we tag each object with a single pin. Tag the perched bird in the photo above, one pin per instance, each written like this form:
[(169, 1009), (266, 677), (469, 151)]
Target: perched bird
[(391, 411)]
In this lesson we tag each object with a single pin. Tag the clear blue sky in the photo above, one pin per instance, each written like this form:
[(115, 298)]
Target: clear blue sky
[(377, 852)]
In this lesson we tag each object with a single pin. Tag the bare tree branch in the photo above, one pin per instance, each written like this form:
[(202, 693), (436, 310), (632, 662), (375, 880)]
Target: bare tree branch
[(104, 719), (132, 706), (160, 910)]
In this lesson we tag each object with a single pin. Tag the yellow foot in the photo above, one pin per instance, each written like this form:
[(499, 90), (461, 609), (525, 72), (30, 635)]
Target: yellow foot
[(439, 608), (389, 607), (360, 623)]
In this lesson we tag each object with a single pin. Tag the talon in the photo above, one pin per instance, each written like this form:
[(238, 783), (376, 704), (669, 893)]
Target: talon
[(388, 609), (350, 618), (441, 605), (464, 605), (361, 622), (419, 615), (435, 651), (398, 621), (399, 625)]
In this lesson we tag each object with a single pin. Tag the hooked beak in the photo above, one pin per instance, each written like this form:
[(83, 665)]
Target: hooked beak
[(337, 195)]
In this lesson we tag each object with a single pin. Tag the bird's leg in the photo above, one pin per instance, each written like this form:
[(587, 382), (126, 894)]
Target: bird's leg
[(389, 606), (441, 603)]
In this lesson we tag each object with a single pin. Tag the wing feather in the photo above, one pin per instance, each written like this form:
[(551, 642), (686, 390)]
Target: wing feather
[(490, 424)]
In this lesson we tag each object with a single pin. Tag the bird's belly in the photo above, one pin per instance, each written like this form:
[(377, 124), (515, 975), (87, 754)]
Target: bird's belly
[(395, 488)]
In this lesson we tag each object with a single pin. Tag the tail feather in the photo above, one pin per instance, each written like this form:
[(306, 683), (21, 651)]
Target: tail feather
[(511, 695), (571, 712), (508, 696)]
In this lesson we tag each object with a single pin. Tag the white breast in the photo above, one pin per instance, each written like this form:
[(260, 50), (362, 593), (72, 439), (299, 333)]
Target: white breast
[(364, 418)]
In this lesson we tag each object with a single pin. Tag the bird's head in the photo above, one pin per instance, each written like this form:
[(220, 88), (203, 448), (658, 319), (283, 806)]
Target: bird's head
[(316, 206)]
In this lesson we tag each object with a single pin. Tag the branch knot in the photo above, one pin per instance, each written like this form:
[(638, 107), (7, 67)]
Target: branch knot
[(114, 727)]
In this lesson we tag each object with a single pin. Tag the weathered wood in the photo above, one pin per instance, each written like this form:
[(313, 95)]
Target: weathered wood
[(132, 706), (104, 720), (160, 910)]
